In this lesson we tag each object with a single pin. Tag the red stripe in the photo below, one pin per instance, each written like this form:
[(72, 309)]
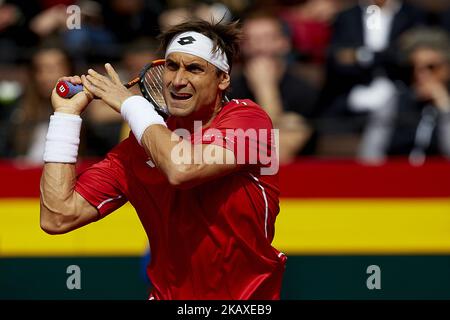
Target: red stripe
[(349, 179), (20, 180), (302, 179)]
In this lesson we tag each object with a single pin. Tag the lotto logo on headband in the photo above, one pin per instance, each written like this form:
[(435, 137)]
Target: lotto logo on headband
[(199, 45), (186, 40)]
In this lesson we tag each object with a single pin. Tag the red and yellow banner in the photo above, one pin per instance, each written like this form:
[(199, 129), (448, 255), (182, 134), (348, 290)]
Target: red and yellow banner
[(327, 207)]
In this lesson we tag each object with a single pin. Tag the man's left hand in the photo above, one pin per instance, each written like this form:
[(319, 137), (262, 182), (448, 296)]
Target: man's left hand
[(109, 89)]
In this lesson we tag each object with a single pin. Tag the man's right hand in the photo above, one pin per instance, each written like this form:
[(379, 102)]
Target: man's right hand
[(74, 105)]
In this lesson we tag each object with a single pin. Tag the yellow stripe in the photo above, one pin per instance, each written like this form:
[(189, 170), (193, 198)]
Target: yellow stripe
[(324, 226), (120, 233), (360, 226)]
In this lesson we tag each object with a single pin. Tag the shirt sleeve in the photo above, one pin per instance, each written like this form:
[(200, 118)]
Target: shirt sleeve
[(104, 185), (247, 130), (444, 133)]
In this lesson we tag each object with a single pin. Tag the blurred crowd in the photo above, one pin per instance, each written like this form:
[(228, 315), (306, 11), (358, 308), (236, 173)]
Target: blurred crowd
[(367, 79)]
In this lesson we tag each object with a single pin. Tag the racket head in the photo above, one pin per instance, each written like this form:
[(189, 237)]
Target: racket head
[(151, 85)]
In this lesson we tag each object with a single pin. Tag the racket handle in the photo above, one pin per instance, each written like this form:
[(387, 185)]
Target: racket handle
[(65, 89)]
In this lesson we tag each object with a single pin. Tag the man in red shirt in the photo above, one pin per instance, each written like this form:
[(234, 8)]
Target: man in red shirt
[(204, 184)]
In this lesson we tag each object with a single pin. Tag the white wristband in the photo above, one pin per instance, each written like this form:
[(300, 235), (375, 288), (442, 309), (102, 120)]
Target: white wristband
[(140, 114), (63, 138)]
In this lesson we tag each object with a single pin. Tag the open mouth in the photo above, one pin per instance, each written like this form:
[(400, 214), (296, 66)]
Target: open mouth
[(180, 96)]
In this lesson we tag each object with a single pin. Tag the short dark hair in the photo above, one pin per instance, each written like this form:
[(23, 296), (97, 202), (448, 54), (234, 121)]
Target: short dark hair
[(262, 14), (426, 37), (225, 36)]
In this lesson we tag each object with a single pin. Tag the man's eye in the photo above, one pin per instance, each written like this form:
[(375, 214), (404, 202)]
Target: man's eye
[(195, 69), (171, 66)]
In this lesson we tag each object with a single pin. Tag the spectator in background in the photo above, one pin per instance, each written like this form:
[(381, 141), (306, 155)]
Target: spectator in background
[(15, 33), (132, 19), (48, 64), (51, 18), (188, 10), (173, 16), (359, 62), (268, 76), (417, 123), (445, 20), (10, 93), (137, 54), (310, 23), (91, 40)]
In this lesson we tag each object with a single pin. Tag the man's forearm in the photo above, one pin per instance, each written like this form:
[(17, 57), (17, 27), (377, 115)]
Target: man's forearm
[(159, 143), (184, 164), (57, 197), (151, 133), (57, 186), (61, 208)]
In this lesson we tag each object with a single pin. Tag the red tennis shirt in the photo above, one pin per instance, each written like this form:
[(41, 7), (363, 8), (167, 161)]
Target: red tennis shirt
[(212, 241)]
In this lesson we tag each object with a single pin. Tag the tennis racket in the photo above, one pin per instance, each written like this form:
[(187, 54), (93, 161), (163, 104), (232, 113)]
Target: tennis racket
[(150, 82)]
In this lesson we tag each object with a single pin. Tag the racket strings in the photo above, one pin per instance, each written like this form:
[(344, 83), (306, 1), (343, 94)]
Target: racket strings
[(153, 83)]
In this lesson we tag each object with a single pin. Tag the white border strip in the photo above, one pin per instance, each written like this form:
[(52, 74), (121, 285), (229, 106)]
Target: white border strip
[(266, 213), (108, 200)]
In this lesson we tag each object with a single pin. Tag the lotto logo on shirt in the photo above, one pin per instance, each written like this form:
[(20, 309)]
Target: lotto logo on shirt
[(227, 146)]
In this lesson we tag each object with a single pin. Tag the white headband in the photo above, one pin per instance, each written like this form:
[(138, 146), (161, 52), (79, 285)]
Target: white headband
[(198, 45)]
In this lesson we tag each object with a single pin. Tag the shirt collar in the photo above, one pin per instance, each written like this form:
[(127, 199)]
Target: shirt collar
[(391, 6)]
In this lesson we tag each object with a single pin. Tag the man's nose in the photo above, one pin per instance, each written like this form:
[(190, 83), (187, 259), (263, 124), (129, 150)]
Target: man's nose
[(180, 79)]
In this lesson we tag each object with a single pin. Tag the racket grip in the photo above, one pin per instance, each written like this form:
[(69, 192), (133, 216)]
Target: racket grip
[(65, 89)]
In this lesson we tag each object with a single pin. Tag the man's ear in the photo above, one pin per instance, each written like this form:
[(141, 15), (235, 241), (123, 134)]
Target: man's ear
[(224, 81)]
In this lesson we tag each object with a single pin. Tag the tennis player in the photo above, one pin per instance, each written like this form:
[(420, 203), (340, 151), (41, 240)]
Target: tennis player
[(196, 180)]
